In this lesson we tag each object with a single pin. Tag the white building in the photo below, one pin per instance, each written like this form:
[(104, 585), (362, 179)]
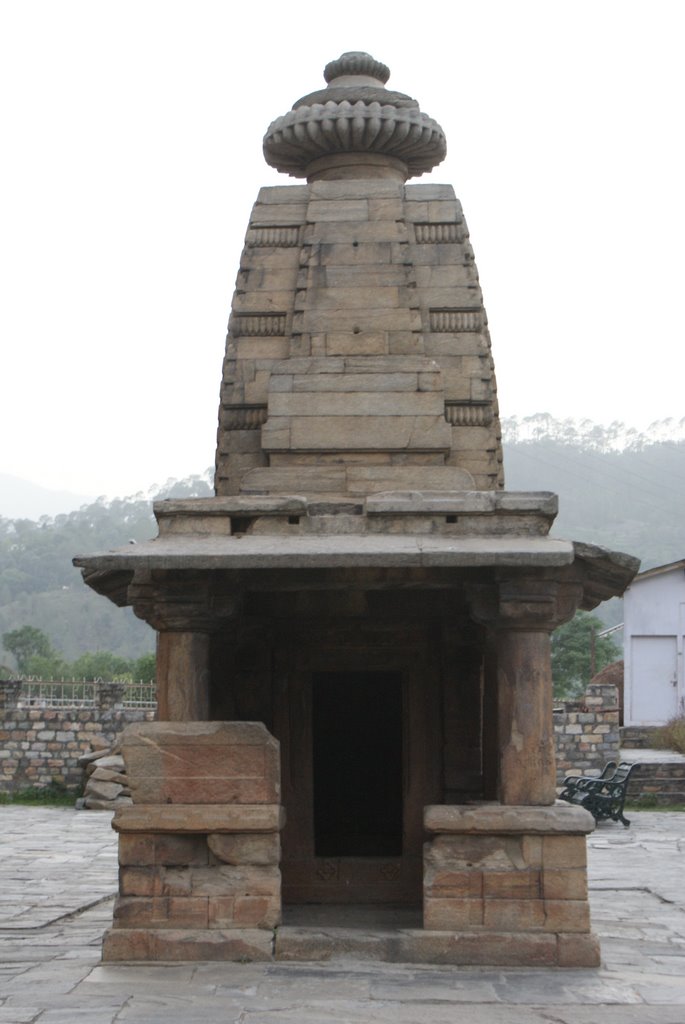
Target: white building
[(654, 618)]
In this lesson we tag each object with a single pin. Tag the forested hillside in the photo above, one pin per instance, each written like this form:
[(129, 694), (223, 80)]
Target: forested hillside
[(40, 587), (617, 488)]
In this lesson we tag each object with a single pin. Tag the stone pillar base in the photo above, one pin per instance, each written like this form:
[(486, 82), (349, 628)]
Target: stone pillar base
[(464, 949), (509, 882), (199, 879), (173, 944)]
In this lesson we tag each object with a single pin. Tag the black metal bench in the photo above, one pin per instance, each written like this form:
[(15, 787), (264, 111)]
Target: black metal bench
[(602, 796)]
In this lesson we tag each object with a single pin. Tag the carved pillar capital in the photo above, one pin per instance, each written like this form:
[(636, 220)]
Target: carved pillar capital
[(524, 603), (180, 602)]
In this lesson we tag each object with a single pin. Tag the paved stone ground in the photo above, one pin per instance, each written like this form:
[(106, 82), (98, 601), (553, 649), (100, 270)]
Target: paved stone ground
[(58, 874)]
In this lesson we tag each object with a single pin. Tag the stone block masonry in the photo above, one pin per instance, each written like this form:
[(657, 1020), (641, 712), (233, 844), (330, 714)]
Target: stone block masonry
[(42, 745), (493, 870), (199, 851), (587, 732)]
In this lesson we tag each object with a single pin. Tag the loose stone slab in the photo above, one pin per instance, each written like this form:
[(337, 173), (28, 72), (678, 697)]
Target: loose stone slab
[(202, 763)]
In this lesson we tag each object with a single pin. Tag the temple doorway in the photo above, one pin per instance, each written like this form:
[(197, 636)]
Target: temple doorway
[(357, 764)]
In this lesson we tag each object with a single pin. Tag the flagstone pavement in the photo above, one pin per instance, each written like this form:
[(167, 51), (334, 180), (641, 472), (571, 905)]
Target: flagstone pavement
[(57, 880)]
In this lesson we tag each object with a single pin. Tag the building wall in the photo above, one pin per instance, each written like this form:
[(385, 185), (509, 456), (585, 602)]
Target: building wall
[(587, 732), (654, 616), (40, 745)]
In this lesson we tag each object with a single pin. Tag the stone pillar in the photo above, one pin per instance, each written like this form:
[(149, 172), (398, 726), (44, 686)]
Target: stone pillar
[(524, 717), (184, 610), (521, 613), (506, 883), (182, 676)]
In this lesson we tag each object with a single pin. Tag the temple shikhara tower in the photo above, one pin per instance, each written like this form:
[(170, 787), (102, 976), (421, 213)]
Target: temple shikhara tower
[(355, 746)]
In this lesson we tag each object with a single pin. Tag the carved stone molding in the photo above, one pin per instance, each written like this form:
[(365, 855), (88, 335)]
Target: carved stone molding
[(356, 114), (258, 325), (180, 602), (355, 62), (327, 870), (456, 321), (243, 417), (435, 233), (468, 414), (277, 235)]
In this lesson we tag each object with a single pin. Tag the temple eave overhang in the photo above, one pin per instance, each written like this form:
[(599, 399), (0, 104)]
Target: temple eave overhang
[(374, 561)]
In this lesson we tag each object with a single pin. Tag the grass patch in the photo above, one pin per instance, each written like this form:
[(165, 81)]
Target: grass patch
[(648, 803), (55, 794), (671, 736)]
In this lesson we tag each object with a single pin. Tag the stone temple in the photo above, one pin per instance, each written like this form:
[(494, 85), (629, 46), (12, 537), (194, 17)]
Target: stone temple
[(355, 746)]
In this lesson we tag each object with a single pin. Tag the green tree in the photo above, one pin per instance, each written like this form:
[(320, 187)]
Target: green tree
[(572, 654), (25, 643), (101, 665), (144, 668), (48, 667)]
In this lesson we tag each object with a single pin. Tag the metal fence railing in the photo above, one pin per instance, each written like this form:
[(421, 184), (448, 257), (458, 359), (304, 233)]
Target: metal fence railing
[(37, 693), (140, 695)]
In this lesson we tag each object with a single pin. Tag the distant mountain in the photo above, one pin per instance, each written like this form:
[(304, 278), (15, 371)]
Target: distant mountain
[(40, 587), (22, 499), (617, 487)]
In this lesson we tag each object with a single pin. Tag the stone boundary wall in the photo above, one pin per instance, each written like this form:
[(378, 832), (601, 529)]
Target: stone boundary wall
[(660, 783), (638, 737), (40, 745), (586, 732)]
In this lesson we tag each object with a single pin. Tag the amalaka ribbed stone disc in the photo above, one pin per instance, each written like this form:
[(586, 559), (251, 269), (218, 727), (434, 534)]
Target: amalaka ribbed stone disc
[(326, 132)]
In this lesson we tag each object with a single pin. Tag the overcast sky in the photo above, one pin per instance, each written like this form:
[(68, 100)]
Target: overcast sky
[(132, 136)]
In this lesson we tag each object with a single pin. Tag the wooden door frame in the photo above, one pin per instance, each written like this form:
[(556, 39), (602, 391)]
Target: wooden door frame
[(307, 878)]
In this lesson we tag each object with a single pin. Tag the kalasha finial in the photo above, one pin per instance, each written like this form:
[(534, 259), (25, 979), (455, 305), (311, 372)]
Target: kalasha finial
[(355, 128)]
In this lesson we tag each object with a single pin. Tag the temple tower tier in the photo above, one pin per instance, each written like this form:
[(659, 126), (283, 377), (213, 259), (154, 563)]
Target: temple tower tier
[(353, 634)]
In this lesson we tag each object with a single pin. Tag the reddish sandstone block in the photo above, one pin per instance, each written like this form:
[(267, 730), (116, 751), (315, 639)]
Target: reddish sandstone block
[(221, 912), (148, 849), (511, 885), (126, 944), (140, 881), (176, 944), (132, 911), (567, 916), (564, 884), (176, 882), (245, 849), (202, 763), (454, 884), (257, 911), (452, 915), (578, 950), (531, 850), (514, 915), (229, 880), (187, 912), (564, 852), (244, 912)]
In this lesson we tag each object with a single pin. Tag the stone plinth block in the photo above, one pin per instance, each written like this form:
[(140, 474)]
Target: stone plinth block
[(204, 819), (187, 944), (503, 819), (511, 873), (202, 763)]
